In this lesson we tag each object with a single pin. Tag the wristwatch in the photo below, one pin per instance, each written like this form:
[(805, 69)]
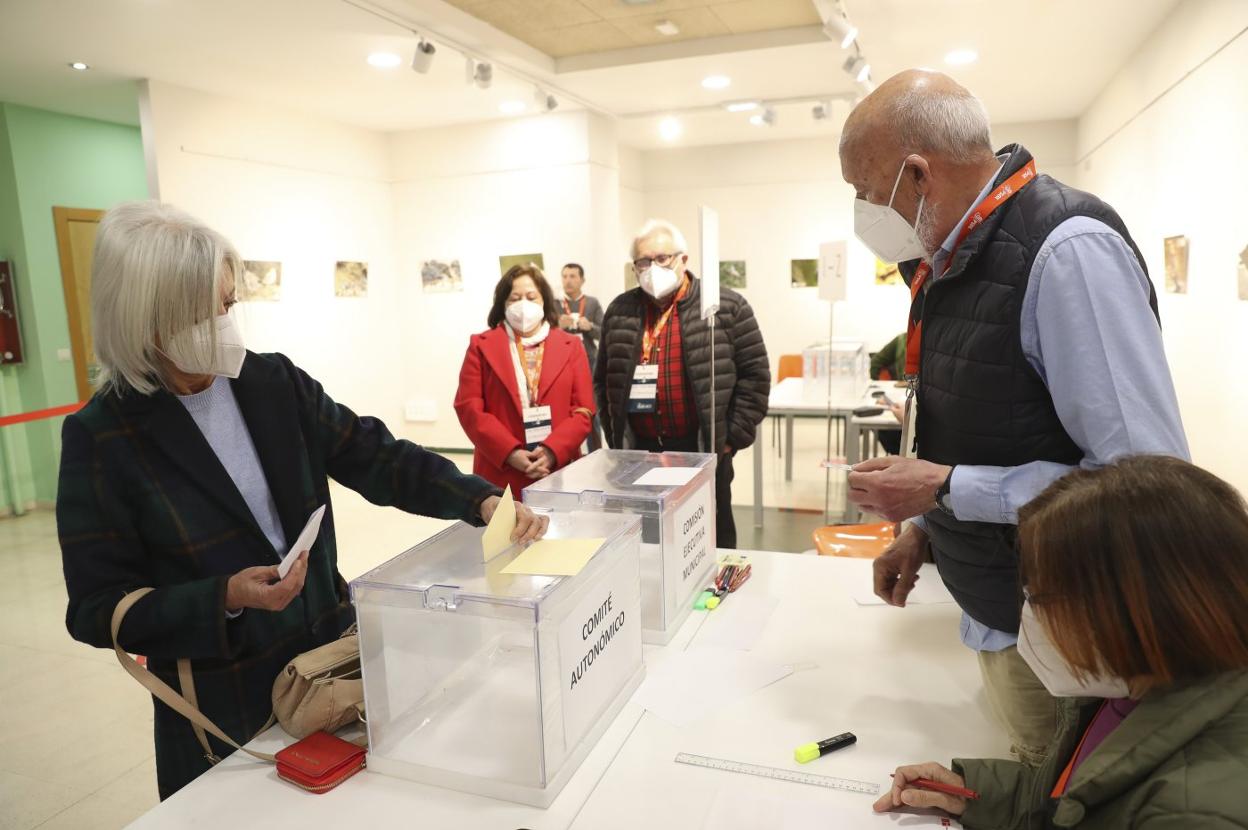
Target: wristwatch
[(944, 495)]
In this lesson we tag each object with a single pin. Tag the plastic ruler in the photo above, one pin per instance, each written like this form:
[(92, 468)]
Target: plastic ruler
[(778, 774)]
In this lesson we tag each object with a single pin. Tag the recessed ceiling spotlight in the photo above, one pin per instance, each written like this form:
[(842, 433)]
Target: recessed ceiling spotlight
[(670, 129), (422, 59), (841, 30), (716, 82), (961, 57), (741, 106), (384, 60), (79, 66), (511, 107), (667, 28)]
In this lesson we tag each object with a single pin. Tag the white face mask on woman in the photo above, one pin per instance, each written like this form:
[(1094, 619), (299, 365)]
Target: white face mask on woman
[(525, 315), (186, 348), (658, 281), (885, 231), (1038, 651)]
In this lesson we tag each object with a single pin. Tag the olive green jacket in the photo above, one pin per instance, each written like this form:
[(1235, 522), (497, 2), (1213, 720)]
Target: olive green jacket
[(1178, 762)]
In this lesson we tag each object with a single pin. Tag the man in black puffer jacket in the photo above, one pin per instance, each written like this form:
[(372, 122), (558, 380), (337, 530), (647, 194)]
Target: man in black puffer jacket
[(654, 339)]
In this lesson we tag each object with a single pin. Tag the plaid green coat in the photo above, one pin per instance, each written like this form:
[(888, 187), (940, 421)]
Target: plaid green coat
[(144, 501)]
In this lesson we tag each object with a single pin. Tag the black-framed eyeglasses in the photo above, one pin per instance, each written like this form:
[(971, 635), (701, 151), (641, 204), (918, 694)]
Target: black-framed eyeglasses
[(662, 260)]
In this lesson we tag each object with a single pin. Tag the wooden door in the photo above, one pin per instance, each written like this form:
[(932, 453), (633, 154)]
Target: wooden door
[(75, 239)]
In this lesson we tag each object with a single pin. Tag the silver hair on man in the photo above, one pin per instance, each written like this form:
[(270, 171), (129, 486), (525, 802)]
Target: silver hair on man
[(951, 123), (660, 227), (156, 272)]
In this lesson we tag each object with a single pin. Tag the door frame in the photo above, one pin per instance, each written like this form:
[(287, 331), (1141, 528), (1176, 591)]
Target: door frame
[(61, 217)]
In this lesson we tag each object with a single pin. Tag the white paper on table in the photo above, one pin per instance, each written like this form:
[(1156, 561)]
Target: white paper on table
[(929, 590), (306, 537), (696, 682), (667, 476), (736, 808), (738, 622)]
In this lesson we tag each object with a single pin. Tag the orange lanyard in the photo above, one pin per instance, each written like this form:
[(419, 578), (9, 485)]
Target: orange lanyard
[(998, 197), (654, 330), (534, 376), (567, 309)]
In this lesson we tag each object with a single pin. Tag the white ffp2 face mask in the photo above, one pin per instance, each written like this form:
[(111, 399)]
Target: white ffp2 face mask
[(1038, 651), (885, 231), (525, 315), (658, 281), (186, 348)]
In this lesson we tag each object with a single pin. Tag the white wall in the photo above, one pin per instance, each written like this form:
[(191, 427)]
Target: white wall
[(777, 201), (303, 191), (1178, 167)]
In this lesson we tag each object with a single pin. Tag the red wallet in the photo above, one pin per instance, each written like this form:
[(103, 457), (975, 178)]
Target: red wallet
[(320, 762)]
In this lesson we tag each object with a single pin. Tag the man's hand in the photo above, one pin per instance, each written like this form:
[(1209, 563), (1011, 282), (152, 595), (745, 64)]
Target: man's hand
[(565, 321), (260, 588), (530, 526), (903, 794), (584, 325), (896, 570), (896, 488)]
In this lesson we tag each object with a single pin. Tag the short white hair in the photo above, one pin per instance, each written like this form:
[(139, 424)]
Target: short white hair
[(156, 272), (951, 123), (660, 227)]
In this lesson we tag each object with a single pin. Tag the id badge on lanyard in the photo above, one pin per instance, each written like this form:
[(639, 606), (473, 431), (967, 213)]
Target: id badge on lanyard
[(643, 395), (537, 425)]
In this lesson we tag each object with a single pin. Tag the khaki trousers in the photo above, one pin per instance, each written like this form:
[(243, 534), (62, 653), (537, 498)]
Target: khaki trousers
[(1022, 704)]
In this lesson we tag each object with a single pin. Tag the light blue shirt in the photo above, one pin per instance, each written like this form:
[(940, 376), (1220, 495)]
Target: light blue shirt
[(1088, 330), (216, 413)]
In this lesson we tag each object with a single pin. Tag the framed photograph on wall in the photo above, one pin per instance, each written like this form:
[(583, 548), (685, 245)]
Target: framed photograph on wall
[(1176, 264), (351, 279), (886, 273), (262, 281), (805, 272), (508, 261), (10, 333), (438, 277), (732, 273)]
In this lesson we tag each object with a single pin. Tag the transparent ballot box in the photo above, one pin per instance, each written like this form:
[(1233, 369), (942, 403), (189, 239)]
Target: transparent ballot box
[(843, 366), (678, 521), (498, 684)]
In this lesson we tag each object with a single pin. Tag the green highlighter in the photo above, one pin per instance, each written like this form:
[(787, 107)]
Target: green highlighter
[(808, 752), (700, 603)]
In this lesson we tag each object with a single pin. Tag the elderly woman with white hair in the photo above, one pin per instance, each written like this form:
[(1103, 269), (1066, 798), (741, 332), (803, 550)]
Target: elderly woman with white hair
[(194, 468)]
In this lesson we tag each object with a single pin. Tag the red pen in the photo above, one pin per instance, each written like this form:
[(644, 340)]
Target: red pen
[(947, 789)]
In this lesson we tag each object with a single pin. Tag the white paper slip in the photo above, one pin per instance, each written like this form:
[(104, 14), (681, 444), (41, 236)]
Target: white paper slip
[(929, 590), (693, 684), (667, 477), (735, 808), (306, 537), (737, 622)]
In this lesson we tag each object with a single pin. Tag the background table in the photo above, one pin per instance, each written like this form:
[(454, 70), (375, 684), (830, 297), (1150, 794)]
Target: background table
[(898, 678)]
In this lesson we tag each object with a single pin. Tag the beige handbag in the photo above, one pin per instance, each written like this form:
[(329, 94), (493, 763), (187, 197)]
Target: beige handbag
[(320, 690)]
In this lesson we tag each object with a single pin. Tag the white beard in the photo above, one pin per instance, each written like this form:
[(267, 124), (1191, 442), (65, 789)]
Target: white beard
[(926, 231)]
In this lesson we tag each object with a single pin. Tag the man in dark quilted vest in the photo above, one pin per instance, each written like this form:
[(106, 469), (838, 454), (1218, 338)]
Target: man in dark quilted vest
[(1035, 348)]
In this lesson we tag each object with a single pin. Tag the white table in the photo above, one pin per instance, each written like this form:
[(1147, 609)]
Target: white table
[(898, 678), (791, 399)]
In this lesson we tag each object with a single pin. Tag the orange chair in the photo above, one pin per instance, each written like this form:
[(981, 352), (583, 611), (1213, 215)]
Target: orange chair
[(861, 541), (790, 367)]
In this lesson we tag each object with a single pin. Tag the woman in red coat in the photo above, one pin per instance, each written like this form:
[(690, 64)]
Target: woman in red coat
[(525, 395)]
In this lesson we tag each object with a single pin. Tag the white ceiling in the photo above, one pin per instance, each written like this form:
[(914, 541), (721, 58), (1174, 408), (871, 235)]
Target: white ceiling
[(1039, 60)]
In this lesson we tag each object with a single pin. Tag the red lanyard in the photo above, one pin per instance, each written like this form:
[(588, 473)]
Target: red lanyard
[(567, 309), (533, 377), (654, 330), (998, 197)]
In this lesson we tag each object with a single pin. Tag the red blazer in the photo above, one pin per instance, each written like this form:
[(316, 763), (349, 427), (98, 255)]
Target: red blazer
[(488, 402)]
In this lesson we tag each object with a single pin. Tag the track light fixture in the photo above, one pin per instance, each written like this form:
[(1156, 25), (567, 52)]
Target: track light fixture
[(766, 118), (544, 100), (483, 74), (422, 59), (841, 30), (858, 68), (821, 110)]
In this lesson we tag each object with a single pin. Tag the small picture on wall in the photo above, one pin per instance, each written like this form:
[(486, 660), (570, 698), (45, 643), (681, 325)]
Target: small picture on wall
[(351, 279), (630, 276), (732, 273), (1243, 274), (1176, 264), (505, 263), (262, 281), (886, 273), (805, 272), (441, 277)]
